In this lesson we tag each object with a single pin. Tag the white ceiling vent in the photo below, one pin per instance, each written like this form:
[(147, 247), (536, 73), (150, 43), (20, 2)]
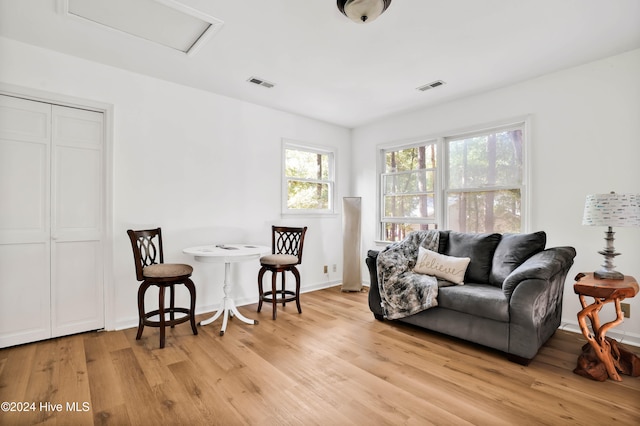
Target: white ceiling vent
[(431, 85), (260, 82), (165, 22)]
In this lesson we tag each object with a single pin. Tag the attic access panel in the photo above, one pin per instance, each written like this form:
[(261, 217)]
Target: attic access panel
[(165, 22)]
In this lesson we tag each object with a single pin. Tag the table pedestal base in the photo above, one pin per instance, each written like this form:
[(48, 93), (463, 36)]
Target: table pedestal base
[(590, 366), (600, 344), (602, 356), (228, 308)]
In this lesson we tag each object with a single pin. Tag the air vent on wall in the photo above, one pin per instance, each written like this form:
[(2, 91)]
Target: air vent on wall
[(431, 85), (260, 82)]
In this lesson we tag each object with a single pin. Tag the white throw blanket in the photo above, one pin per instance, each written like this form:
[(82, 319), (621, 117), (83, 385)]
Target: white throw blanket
[(404, 292)]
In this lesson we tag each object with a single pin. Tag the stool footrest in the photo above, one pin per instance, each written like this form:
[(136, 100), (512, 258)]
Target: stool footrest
[(168, 322), (287, 296)]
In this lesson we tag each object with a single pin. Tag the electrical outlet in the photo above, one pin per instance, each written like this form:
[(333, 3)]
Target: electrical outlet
[(326, 269), (335, 267), (626, 309)]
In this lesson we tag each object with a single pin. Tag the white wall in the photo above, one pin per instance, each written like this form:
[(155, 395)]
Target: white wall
[(204, 167), (173, 152), (585, 136)]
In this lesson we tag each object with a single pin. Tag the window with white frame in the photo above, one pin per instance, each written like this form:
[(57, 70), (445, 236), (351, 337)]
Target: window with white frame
[(308, 179), (409, 186), (485, 181), (473, 182)]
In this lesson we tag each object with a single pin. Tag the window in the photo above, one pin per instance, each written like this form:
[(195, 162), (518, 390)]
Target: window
[(468, 183), (409, 188), (485, 181), (308, 180)]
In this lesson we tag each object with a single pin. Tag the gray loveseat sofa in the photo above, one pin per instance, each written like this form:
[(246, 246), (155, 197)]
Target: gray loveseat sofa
[(511, 299)]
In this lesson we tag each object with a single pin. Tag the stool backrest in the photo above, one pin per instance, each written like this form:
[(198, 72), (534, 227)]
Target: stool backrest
[(147, 249), (288, 240)]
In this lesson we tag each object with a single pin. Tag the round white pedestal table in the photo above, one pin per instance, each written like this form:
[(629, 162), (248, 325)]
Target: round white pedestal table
[(227, 254)]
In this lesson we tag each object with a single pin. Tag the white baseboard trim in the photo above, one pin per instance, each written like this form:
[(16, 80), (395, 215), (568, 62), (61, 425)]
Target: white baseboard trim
[(128, 323), (626, 338)]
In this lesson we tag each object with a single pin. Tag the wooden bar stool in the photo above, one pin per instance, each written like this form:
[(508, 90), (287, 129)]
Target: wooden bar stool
[(286, 249), (151, 270)]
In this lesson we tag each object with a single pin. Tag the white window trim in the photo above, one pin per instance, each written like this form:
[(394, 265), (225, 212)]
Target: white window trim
[(393, 146), (407, 219), (442, 183), (332, 153), (516, 123)]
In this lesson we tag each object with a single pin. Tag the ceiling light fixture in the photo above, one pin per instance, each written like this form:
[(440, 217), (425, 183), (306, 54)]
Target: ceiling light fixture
[(362, 11)]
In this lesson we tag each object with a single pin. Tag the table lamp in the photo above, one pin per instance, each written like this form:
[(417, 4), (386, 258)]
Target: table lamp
[(611, 210)]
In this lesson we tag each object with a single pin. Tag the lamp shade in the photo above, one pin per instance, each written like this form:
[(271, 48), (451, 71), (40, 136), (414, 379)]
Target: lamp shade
[(612, 210), (362, 11)]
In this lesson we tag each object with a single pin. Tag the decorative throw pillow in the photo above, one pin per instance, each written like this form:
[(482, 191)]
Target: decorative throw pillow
[(441, 266)]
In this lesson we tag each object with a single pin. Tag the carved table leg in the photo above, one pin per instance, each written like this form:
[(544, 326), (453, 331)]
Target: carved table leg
[(601, 337), (597, 339)]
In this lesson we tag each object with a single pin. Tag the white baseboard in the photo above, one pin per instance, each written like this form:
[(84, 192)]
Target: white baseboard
[(619, 334)]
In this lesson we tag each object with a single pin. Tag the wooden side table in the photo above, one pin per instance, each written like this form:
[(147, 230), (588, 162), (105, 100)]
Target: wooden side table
[(602, 291)]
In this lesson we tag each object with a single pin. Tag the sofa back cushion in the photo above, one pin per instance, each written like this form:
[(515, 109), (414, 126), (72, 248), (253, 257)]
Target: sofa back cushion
[(479, 248), (512, 251), (443, 241)]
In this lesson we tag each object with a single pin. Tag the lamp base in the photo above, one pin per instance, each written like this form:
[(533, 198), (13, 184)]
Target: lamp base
[(607, 270), (603, 274)]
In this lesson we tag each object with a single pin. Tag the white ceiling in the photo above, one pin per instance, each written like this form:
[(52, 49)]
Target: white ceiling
[(329, 68)]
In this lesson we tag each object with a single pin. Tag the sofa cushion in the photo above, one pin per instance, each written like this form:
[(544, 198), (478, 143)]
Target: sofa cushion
[(482, 300), (512, 251), (443, 241), (442, 266), (479, 248)]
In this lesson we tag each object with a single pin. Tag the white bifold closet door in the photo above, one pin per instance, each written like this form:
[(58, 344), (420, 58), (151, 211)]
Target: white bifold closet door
[(51, 220)]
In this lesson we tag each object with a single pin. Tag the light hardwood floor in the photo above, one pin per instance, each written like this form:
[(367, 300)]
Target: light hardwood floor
[(332, 365)]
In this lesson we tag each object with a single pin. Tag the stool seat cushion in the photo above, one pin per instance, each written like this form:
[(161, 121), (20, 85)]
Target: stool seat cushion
[(279, 260), (166, 270)]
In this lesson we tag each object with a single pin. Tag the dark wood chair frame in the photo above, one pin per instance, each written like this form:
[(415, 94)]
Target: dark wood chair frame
[(147, 250), (284, 240)]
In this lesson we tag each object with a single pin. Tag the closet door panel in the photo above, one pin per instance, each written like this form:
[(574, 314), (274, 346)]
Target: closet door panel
[(78, 183), (77, 194), (24, 293), (77, 300), (24, 191), (25, 139), (78, 191), (24, 221)]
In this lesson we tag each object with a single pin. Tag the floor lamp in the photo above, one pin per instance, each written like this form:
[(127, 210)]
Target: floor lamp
[(351, 270)]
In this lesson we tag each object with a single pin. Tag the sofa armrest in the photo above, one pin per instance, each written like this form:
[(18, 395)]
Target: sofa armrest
[(541, 266), (374, 291), (535, 291)]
